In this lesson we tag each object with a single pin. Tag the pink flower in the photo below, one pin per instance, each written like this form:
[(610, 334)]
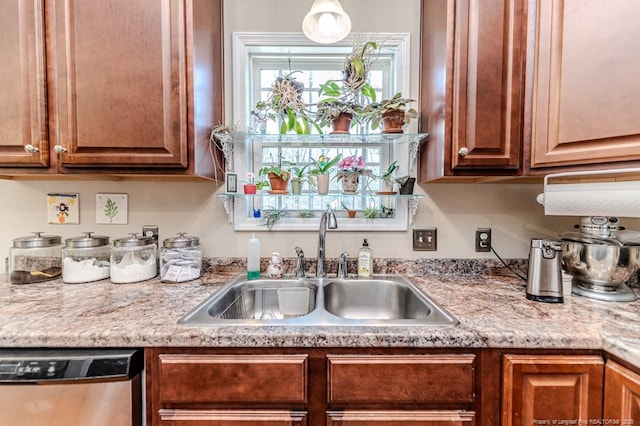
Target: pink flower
[(351, 162)]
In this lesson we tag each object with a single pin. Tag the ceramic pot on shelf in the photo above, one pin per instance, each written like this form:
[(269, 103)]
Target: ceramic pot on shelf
[(250, 188), (323, 184), (278, 183), (341, 124), (350, 183), (392, 121)]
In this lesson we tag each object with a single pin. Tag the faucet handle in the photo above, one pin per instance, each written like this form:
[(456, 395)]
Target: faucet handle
[(342, 265), (299, 273)]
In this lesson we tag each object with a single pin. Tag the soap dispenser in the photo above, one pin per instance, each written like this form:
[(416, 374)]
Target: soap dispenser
[(365, 261), (274, 270), (253, 258)]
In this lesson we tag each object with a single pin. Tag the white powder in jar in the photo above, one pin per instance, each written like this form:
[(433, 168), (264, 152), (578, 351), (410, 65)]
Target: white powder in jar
[(131, 269), (84, 271)]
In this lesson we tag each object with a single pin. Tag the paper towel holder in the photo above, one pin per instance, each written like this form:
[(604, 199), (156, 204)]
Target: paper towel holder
[(627, 206)]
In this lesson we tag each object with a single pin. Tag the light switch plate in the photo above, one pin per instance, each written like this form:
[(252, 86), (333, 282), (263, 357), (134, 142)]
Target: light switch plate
[(425, 239)]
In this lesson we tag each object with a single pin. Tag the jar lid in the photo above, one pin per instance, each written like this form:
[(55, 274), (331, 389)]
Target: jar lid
[(37, 240), (181, 241), (87, 241), (133, 241)]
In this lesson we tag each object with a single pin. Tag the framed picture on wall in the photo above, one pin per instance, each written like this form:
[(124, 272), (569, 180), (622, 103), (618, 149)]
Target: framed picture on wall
[(112, 209), (232, 182)]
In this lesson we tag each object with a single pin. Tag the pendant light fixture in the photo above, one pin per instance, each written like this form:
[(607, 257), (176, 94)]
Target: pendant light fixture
[(326, 22)]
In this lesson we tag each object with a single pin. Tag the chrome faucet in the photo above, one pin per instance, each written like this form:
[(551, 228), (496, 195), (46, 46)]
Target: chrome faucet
[(328, 220), (299, 273)]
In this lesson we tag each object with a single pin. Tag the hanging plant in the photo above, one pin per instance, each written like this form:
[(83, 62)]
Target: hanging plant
[(285, 103)]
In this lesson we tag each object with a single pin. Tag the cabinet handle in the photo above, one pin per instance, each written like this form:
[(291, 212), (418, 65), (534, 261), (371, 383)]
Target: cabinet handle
[(31, 149), (59, 149), (463, 152)]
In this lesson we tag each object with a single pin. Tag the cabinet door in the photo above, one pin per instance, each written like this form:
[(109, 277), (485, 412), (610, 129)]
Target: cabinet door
[(22, 85), (399, 418), (583, 86), (118, 82), (537, 389), (475, 118), (621, 395), (232, 418)]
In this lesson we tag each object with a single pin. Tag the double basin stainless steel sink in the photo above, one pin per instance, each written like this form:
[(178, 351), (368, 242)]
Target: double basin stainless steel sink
[(381, 301)]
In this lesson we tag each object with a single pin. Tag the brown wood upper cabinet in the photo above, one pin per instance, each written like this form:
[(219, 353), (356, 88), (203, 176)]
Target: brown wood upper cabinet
[(120, 86), (582, 85), (471, 87), (23, 85)]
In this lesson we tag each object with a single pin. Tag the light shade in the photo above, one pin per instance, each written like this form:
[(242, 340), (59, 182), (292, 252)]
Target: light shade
[(326, 22)]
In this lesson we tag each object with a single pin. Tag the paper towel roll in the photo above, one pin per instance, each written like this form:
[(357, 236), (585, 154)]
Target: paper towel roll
[(621, 199)]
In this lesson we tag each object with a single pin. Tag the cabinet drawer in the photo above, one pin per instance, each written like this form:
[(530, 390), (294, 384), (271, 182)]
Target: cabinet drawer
[(400, 418), (401, 379), (218, 379), (233, 417)]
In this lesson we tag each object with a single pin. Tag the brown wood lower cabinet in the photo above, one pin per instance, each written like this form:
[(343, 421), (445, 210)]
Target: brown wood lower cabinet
[(387, 387), (311, 387), (622, 395), (537, 389)]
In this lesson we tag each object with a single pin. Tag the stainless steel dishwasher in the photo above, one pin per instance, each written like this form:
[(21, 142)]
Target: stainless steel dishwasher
[(70, 387)]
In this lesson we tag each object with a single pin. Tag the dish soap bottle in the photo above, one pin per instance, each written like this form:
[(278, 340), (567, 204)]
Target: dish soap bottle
[(253, 258), (275, 267), (365, 261)]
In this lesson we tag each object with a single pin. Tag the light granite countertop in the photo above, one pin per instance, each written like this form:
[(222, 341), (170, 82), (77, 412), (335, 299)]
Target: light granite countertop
[(492, 310)]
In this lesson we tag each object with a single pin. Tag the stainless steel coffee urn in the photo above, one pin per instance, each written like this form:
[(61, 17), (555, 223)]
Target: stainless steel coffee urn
[(544, 278)]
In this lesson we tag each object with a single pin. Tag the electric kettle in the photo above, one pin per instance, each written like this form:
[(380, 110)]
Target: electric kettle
[(544, 278)]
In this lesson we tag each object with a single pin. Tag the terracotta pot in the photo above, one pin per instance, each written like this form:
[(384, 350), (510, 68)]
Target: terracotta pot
[(323, 184), (351, 213), (392, 121), (342, 123), (278, 183), (250, 188)]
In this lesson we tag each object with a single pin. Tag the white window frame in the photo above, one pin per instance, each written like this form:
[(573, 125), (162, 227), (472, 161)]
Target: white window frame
[(248, 45)]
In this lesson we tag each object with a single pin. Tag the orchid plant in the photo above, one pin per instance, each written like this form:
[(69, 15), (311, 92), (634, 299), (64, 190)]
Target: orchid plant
[(352, 165)]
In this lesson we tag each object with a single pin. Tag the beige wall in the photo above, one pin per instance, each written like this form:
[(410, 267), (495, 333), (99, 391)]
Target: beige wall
[(192, 207)]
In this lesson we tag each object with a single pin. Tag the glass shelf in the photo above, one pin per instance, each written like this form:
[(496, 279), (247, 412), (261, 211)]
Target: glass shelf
[(328, 139), (330, 195), (228, 140)]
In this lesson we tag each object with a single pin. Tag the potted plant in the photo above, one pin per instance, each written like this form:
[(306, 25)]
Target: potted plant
[(406, 184), (278, 178), (388, 178), (285, 102), (349, 171), (392, 114), (338, 113), (298, 175), (320, 169), (350, 212)]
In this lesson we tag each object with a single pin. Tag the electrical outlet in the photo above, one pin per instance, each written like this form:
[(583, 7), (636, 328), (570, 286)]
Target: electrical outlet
[(425, 239), (151, 231), (483, 239)]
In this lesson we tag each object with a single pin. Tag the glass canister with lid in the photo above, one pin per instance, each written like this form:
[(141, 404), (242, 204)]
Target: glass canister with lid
[(133, 259), (35, 258), (85, 259), (180, 259)]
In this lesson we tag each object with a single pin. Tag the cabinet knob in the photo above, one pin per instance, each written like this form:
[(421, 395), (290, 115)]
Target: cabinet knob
[(59, 149), (464, 151), (31, 149)]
